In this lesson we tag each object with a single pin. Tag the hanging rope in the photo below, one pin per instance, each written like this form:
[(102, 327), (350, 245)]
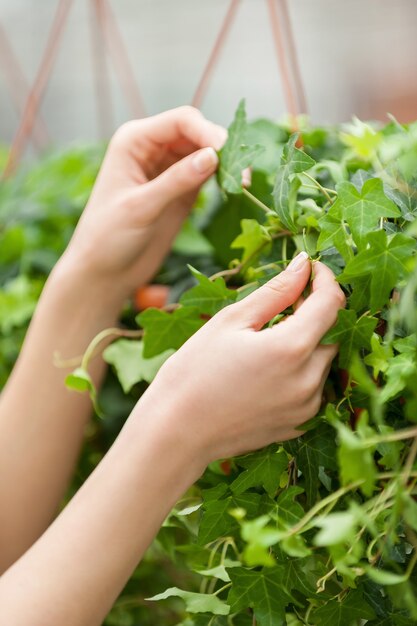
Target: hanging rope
[(36, 93), (289, 94), (101, 74), (201, 90), (116, 48), (19, 88), (293, 57)]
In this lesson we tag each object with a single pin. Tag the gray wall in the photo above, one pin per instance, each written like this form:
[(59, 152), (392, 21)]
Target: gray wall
[(355, 56)]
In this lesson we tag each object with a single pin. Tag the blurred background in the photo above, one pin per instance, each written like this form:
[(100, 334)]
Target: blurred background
[(357, 57)]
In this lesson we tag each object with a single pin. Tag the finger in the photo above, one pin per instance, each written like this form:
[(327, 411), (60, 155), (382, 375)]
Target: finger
[(298, 303), (276, 295), (247, 177), (318, 313), (182, 123), (184, 177)]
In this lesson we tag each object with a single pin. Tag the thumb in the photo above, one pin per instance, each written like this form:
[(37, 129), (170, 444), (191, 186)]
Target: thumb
[(277, 294), (183, 177)]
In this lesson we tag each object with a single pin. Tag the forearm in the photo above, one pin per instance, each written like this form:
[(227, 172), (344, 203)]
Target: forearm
[(41, 422), (91, 549)]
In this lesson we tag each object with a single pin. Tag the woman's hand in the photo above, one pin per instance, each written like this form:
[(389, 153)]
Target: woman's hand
[(147, 184), (233, 387)]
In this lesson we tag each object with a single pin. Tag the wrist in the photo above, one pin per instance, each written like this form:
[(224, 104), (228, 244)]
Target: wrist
[(164, 426), (84, 292)]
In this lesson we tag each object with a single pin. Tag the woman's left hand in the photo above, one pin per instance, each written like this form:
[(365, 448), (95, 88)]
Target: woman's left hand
[(150, 177)]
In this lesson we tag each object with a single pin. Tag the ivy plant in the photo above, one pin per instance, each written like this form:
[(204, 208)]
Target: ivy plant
[(321, 529)]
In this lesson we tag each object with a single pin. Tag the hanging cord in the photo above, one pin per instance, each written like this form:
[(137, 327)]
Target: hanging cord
[(37, 91), (101, 71), (201, 90), (117, 49), (19, 88), (289, 94), (293, 57)]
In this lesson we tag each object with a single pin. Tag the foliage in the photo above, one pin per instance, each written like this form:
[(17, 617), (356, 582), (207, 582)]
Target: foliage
[(322, 529)]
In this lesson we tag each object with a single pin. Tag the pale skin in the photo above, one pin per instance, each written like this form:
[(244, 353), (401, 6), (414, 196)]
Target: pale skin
[(149, 179)]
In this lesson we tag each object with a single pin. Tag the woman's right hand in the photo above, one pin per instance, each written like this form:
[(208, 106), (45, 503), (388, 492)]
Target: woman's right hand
[(233, 388)]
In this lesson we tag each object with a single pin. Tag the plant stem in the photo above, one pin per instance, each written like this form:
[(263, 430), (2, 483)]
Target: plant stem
[(321, 505), (108, 332), (236, 270), (258, 202), (325, 190)]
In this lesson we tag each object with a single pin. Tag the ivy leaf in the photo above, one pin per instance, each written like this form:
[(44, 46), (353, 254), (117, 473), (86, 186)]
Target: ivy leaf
[(195, 602), (235, 155), (386, 260), (262, 468), (209, 296), (131, 367), (165, 331), (299, 575), (333, 232), (261, 591), (316, 448), (356, 460), (81, 381), (252, 238), (343, 613), (336, 528), (217, 521), (293, 161), (378, 358), (399, 371), (352, 334), (362, 209), (287, 510)]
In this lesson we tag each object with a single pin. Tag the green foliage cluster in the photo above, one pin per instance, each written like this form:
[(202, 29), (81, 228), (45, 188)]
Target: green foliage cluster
[(321, 530)]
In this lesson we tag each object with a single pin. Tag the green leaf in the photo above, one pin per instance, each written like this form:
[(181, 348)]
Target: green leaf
[(384, 577), (216, 520), (81, 381), (352, 334), (261, 591), (343, 612), (378, 358), (165, 331), (362, 209), (131, 367), (356, 460), (293, 161), (316, 448), (209, 296), (300, 575), (195, 602), (333, 232), (262, 468), (386, 260), (235, 155), (401, 370), (219, 571), (287, 510), (252, 238), (336, 528)]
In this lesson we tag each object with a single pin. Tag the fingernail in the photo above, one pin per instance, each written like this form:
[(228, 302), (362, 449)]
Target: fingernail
[(205, 161), (298, 262)]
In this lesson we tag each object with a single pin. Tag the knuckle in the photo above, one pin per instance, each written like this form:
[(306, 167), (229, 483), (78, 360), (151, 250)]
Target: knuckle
[(186, 110), (279, 284), (227, 313), (339, 297), (123, 134), (299, 348)]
